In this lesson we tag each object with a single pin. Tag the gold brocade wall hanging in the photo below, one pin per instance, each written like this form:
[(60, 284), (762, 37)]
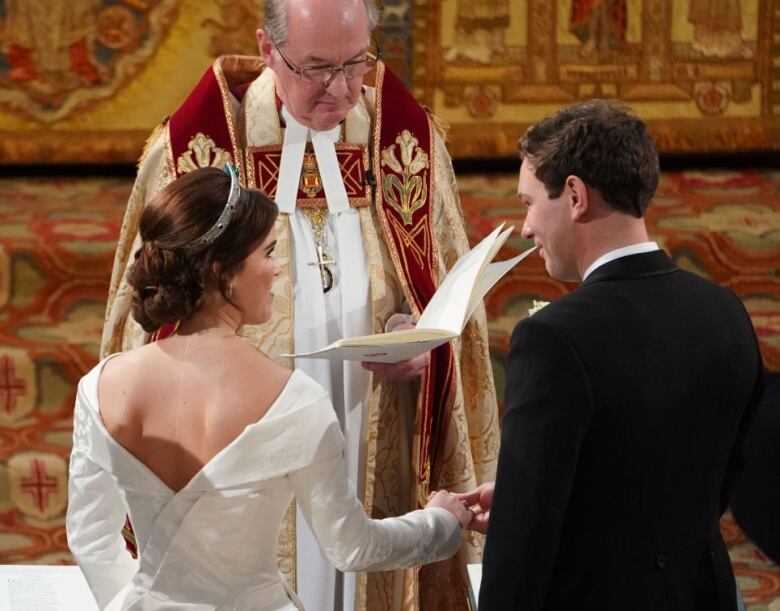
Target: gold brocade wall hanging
[(87, 80), (700, 72)]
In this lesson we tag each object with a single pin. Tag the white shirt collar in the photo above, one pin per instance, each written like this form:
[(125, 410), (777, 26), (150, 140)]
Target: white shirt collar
[(296, 135), (632, 249)]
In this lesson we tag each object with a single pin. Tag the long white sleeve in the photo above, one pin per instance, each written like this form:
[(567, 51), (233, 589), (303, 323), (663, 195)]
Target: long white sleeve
[(96, 514), (353, 542)]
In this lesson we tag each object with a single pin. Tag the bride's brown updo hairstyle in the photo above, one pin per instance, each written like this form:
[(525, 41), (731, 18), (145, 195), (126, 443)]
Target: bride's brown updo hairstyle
[(168, 279)]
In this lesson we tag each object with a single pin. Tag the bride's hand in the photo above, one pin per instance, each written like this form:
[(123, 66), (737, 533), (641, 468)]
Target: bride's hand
[(450, 502)]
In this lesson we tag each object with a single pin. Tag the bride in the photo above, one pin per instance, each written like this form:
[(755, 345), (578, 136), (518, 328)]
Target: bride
[(204, 441)]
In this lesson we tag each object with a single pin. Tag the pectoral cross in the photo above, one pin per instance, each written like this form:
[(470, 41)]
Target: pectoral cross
[(325, 274)]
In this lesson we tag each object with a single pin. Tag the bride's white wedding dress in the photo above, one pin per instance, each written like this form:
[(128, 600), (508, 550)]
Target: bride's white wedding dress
[(212, 544)]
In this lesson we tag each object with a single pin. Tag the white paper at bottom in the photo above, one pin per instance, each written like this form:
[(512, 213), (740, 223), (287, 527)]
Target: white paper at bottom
[(44, 588), (475, 579)]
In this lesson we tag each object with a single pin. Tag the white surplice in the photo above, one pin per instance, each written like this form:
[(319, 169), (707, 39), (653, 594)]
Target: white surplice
[(212, 545), (320, 319)]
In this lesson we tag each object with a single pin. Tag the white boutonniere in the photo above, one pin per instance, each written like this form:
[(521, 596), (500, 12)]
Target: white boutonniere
[(538, 305)]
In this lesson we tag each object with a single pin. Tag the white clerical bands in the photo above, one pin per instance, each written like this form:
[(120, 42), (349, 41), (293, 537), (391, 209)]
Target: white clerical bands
[(296, 137)]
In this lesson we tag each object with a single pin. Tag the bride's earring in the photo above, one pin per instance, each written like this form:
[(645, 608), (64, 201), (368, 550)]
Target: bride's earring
[(229, 291)]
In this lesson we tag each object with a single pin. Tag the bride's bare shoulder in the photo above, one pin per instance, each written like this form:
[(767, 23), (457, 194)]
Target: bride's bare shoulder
[(134, 378), (124, 368), (260, 362)]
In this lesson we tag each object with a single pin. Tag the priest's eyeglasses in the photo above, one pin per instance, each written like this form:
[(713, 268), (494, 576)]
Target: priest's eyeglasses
[(324, 74)]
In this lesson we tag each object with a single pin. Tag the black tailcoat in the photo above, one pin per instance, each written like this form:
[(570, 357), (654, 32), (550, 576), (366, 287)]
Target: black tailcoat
[(626, 402)]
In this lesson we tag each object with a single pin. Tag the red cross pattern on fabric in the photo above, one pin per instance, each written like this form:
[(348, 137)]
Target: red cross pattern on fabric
[(10, 386), (40, 484)]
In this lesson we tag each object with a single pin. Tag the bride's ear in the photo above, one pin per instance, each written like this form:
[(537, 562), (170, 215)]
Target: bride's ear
[(214, 279)]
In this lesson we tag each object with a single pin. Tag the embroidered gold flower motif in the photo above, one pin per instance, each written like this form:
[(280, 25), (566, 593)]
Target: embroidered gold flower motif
[(538, 305), (206, 154), (408, 192)]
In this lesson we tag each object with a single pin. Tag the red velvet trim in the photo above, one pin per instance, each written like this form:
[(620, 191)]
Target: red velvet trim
[(202, 112), (352, 160), (416, 258), (163, 332), (400, 112), (239, 91)]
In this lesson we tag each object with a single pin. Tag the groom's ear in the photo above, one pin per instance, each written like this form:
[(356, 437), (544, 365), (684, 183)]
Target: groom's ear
[(577, 193)]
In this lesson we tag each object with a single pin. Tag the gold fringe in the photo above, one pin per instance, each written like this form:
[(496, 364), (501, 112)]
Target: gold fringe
[(151, 140), (440, 125)]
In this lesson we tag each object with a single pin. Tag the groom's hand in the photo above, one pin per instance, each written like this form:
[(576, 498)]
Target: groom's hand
[(480, 499), (402, 370)]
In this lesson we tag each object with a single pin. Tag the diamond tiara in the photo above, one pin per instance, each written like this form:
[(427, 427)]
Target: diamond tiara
[(219, 226)]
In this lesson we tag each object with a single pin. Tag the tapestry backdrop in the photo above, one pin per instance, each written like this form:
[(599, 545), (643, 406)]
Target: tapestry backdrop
[(87, 80), (699, 71)]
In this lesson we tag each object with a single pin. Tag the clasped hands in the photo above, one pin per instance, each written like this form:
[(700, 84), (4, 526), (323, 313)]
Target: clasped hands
[(472, 509)]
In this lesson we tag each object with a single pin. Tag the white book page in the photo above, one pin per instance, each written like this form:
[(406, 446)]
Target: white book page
[(377, 353), (503, 236), (391, 338), (44, 588), (489, 277), (447, 308)]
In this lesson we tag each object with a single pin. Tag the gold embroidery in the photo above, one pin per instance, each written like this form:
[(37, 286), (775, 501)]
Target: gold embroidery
[(416, 241), (311, 183), (382, 216), (263, 164), (203, 148), (219, 72), (170, 163), (408, 193)]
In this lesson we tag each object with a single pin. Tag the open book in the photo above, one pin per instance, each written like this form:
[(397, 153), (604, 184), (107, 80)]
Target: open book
[(444, 317)]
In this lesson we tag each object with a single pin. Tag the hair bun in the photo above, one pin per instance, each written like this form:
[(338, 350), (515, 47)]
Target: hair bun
[(167, 289), (169, 282)]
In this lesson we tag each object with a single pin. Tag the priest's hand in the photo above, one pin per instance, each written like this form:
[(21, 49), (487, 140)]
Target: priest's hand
[(479, 500), (402, 370), (409, 369)]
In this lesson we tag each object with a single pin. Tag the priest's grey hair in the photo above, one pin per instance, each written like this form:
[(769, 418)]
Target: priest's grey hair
[(275, 19)]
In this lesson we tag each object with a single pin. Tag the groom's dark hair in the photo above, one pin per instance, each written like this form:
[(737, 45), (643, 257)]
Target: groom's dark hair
[(601, 142)]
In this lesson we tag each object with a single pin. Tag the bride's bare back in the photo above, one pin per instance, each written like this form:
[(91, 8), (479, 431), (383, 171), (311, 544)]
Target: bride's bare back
[(177, 403)]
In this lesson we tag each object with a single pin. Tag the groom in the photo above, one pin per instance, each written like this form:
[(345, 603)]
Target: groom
[(626, 400)]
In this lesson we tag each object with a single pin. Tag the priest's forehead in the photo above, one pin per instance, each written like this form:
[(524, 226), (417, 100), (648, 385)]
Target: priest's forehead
[(304, 19)]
